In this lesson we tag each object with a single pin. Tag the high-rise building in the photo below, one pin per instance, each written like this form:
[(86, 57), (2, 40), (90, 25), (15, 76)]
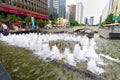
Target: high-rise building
[(105, 12), (72, 12), (100, 21), (50, 7), (79, 12), (114, 6), (57, 8), (86, 20), (108, 9), (91, 20), (117, 13), (35, 8), (62, 8)]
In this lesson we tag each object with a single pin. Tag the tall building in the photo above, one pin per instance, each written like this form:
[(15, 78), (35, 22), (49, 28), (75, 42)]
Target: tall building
[(100, 21), (114, 6), (62, 8), (50, 7), (57, 8), (71, 12), (108, 9), (86, 20), (110, 6), (117, 13), (105, 12), (91, 20), (79, 12), (22, 8)]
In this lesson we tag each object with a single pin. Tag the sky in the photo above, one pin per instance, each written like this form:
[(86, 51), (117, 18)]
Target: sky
[(91, 8)]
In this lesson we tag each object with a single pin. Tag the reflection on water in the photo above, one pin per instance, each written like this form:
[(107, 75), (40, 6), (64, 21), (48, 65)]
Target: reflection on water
[(111, 48)]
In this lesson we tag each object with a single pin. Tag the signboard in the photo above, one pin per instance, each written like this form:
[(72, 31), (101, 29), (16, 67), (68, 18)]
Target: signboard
[(33, 22), (117, 18), (3, 74)]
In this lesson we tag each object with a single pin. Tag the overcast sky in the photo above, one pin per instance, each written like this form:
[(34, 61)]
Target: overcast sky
[(91, 7)]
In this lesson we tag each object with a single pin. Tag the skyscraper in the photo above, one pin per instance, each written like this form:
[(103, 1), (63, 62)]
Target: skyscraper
[(79, 12), (86, 20), (72, 12), (62, 8), (57, 8), (91, 20)]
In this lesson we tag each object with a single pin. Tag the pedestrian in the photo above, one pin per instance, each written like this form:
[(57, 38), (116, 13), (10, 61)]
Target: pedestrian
[(4, 27), (1, 28)]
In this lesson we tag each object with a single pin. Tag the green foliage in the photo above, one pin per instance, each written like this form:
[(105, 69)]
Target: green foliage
[(51, 17), (28, 19), (0, 17), (46, 22), (74, 23), (13, 18), (17, 19), (109, 19), (53, 22), (103, 23), (81, 24), (37, 21)]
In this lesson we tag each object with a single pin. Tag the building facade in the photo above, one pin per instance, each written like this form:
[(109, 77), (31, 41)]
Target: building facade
[(35, 8), (61, 22), (105, 12), (71, 12), (57, 8), (91, 21), (86, 21), (118, 9), (115, 6), (79, 13)]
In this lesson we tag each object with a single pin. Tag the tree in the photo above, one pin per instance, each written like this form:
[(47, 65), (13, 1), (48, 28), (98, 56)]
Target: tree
[(53, 22), (0, 18), (17, 19), (11, 18), (28, 19), (74, 23), (37, 21), (51, 17), (109, 19)]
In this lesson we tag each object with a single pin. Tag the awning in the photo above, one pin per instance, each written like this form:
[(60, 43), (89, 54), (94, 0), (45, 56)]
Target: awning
[(22, 12)]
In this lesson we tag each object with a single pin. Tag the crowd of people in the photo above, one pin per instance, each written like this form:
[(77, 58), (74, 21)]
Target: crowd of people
[(3, 27), (15, 28)]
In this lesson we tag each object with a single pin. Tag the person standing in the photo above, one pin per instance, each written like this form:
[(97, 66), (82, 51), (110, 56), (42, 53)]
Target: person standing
[(4, 27), (1, 28)]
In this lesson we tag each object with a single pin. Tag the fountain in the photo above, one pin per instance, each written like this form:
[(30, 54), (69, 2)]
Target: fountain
[(83, 50)]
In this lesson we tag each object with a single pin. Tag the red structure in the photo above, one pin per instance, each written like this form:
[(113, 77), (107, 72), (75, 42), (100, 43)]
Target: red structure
[(22, 8)]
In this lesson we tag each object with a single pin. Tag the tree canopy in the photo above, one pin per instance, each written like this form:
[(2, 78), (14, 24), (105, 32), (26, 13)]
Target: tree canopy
[(109, 19), (28, 19), (74, 23), (13, 18), (0, 17)]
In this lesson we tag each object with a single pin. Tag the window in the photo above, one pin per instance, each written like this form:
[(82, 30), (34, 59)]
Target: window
[(3, 1)]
